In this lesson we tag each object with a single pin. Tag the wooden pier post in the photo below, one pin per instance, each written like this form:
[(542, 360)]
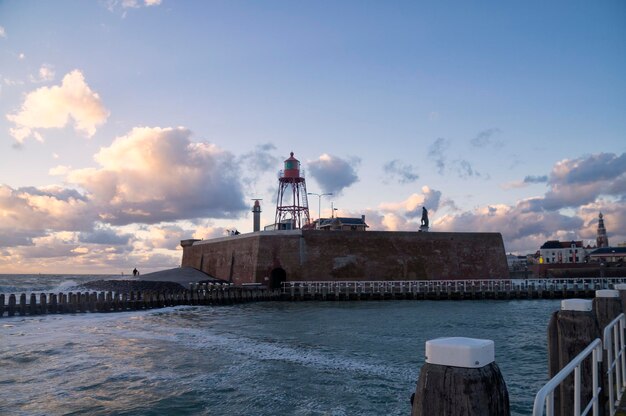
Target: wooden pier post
[(622, 294), (43, 304), (11, 310), (33, 309), (53, 303), (1, 304), (570, 331), (23, 304), (460, 377), (606, 306)]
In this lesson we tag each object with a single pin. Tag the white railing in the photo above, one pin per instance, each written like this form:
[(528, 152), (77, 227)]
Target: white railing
[(445, 286), (616, 360), (544, 400)]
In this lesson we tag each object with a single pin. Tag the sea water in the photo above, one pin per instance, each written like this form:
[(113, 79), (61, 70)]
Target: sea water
[(266, 358)]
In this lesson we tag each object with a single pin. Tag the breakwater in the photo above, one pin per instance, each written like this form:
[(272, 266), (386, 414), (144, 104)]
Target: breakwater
[(81, 302), (450, 289)]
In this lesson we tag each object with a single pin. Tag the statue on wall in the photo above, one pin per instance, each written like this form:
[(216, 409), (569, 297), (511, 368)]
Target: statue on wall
[(424, 217)]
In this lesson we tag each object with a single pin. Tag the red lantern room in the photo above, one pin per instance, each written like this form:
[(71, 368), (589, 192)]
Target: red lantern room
[(292, 207), (292, 167)]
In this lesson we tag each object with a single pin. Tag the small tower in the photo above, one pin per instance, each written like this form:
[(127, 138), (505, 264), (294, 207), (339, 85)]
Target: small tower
[(256, 216), (601, 240), (292, 207)]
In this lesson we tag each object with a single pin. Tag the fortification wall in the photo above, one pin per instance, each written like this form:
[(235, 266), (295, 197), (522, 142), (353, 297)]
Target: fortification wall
[(344, 255)]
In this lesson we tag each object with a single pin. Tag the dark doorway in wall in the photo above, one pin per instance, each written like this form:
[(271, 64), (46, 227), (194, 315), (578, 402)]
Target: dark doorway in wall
[(277, 277)]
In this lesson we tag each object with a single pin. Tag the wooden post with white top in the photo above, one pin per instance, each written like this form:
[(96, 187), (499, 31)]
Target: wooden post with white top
[(460, 377), (570, 331)]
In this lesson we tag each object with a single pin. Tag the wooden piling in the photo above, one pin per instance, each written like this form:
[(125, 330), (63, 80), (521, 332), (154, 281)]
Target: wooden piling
[(23, 304), (460, 378), (33, 307), (570, 331), (43, 304), (11, 309), (53, 303), (1, 304)]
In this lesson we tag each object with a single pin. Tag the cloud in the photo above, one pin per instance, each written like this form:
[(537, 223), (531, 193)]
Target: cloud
[(157, 174), (104, 235), (536, 179), (528, 180), (3, 33), (124, 5), (45, 73), (465, 169), (412, 206), (581, 181), (332, 173), (437, 153), (30, 212), (165, 236), (514, 222), (487, 138), (403, 173), (53, 107), (261, 159)]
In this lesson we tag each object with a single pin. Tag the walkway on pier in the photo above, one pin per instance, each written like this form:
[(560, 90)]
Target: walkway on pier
[(449, 289)]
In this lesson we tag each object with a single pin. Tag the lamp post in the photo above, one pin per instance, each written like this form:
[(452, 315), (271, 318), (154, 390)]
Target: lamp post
[(319, 205)]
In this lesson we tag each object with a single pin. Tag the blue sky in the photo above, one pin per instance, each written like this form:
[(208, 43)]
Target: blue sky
[(129, 125)]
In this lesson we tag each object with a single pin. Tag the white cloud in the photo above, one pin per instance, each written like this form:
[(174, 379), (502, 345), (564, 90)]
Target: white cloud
[(412, 206), (3, 33), (157, 174), (45, 74), (30, 212), (21, 56), (59, 170), (52, 107), (149, 3)]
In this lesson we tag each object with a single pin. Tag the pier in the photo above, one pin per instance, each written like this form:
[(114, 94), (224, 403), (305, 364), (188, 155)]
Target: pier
[(83, 302), (449, 289)]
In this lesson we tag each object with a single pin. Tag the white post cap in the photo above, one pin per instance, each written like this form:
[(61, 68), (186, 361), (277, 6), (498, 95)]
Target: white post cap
[(581, 305), (620, 286), (460, 352), (607, 293)]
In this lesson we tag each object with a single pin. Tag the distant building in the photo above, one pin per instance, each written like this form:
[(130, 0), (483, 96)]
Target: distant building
[(553, 252), (516, 263), (608, 255), (601, 240), (342, 224)]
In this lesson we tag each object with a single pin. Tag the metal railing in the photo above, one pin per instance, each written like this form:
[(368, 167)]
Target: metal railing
[(616, 360), (544, 400)]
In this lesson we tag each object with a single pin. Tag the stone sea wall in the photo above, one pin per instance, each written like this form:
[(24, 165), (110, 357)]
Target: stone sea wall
[(312, 255)]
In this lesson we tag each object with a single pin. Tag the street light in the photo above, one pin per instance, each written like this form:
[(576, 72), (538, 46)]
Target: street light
[(319, 205)]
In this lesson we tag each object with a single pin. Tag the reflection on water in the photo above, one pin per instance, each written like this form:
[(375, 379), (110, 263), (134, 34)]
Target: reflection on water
[(309, 358)]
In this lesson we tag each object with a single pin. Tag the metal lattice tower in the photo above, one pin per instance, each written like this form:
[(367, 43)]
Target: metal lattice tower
[(292, 206)]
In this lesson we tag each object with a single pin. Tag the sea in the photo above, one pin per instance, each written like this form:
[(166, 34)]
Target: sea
[(265, 358)]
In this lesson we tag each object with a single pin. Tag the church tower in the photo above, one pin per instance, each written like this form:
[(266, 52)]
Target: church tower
[(601, 240)]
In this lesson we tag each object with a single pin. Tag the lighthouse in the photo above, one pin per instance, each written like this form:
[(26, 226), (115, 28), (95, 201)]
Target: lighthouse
[(292, 207), (256, 215)]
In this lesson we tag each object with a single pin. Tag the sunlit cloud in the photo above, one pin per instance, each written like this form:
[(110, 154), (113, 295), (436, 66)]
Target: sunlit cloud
[(412, 206), (54, 107), (46, 73), (157, 174)]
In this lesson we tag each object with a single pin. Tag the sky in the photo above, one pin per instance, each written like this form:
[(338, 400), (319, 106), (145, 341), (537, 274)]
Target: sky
[(127, 126)]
